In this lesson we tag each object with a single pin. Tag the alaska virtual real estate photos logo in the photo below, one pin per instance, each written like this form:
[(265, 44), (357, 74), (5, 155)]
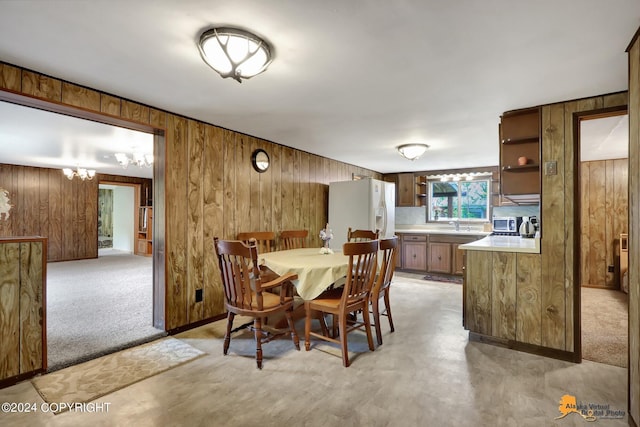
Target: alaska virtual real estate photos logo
[(589, 411)]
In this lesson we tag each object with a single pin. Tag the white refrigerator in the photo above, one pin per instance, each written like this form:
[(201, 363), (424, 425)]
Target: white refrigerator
[(365, 204)]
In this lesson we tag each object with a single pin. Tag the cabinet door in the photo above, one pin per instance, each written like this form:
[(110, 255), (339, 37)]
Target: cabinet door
[(457, 263), (440, 257), (406, 189), (414, 255)]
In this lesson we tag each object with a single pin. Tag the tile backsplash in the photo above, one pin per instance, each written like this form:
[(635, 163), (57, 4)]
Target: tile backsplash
[(418, 215)]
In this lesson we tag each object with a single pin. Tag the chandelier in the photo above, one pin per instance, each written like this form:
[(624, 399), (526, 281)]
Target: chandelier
[(234, 53), (82, 173), (139, 159)]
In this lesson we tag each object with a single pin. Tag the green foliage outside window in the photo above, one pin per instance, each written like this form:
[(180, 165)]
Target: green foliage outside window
[(459, 200)]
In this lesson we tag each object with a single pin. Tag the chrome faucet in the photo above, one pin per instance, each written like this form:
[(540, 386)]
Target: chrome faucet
[(456, 224)]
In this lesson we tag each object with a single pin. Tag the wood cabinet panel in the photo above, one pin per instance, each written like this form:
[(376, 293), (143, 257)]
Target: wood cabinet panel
[(457, 262), (414, 255), (439, 258), (528, 299), (503, 295), (519, 137), (478, 291), (405, 190), (22, 307)]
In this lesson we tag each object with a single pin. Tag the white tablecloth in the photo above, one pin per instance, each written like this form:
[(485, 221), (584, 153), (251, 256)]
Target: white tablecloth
[(315, 271)]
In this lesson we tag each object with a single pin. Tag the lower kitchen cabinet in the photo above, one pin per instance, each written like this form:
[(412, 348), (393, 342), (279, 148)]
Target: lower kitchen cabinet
[(439, 257), (414, 252)]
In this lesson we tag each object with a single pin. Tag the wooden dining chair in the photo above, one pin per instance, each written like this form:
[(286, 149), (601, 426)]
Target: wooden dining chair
[(353, 296), (380, 289), (248, 294), (293, 239), (265, 240), (361, 235)]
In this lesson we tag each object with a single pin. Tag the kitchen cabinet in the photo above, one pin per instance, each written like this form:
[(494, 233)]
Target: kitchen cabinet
[(414, 252), (444, 255), (439, 257), (520, 155), (406, 190)]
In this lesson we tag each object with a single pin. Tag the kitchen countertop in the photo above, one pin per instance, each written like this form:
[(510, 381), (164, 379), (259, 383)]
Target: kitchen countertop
[(504, 244), (449, 231)]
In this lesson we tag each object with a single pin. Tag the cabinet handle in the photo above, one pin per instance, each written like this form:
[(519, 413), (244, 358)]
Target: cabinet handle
[(414, 255), (439, 258)]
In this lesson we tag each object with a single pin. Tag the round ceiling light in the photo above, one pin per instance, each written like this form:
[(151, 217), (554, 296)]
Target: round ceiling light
[(412, 151), (234, 53)]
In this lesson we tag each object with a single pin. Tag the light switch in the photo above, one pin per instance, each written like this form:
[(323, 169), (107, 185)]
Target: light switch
[(551, 168)]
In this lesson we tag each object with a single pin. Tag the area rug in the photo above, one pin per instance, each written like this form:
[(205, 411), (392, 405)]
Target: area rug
[(443, 278), (96, 378)]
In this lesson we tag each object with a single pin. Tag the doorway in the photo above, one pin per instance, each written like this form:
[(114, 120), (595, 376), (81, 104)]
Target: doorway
[(603, 182), (117, 216)]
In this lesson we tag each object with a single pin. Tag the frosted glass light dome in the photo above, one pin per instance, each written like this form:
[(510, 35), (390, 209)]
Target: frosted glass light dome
[(234, 53)]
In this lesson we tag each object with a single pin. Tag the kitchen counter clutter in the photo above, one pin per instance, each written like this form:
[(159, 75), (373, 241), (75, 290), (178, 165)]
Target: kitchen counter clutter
[(504, 244)]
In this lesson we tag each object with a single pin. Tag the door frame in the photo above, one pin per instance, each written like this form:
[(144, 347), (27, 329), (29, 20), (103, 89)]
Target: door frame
[(577, 224), (159, 144)]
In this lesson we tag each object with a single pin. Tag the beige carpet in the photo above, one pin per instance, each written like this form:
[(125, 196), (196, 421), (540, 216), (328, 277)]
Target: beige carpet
[(95, 378), (605, 336)]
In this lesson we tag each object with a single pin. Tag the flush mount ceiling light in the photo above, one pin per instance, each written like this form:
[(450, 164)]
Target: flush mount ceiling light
[(412, 151), (82, 173), (234, 53)]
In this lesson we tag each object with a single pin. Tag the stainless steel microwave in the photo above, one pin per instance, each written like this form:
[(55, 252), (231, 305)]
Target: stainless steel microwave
[(506, 224)]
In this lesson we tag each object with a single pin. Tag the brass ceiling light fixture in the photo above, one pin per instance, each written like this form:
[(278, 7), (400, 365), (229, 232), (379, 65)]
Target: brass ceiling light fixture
[(412, 151), (234, 53)]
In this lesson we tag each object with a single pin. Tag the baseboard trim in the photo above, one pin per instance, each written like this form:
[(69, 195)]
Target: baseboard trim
[(7, 382), (527, 348), (196, 324), (631, 421)]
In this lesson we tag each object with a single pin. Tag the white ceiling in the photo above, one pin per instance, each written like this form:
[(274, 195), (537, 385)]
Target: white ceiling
[(350, 80)]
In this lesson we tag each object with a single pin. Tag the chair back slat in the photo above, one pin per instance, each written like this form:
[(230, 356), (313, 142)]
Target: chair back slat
[(361, 235), (265, 240), (240, 276), (361, 270), (389, 249), (293, 239)]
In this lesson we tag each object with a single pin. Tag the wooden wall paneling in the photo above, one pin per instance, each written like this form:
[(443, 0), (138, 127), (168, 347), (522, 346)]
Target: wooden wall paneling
[(620, 209), (109, 105), (478, 292), (195, 220), (296, 217), (528, 298), (597, 221), (157, 118), (32, 307), (213, 214), (634, 230), (610, 239), (503, 295), (9, 309), (615, 99), (32, 201), (287, 189), (304, 222), (553, 229), (55, 245), (229, 153), (313, 201), (243, 208), (177, 217), (254, 178), (43, 201), (275, 155), (133, 111), (10, 77), (81, 235), (91, 219), (585, 224), (18, 200), (81, 97), (5, 176), (68, 205), (40, 86), (265, 190)]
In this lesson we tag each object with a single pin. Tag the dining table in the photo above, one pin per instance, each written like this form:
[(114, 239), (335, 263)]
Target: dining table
[(316, 271)]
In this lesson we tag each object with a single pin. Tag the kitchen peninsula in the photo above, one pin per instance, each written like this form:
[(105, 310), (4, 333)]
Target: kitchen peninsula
[(502, 291)]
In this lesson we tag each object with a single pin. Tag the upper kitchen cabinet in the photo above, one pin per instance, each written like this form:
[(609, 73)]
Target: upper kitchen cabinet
[(520, 156), (406, 190)]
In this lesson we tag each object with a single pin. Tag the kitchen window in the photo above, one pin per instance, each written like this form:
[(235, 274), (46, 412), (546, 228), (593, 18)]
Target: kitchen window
[(459, 200)]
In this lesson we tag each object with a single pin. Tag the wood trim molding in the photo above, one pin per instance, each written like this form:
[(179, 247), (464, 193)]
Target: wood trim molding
[(527, 348)]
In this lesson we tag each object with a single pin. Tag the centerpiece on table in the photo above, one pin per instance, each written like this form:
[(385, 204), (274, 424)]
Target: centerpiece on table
[(326, 235)]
